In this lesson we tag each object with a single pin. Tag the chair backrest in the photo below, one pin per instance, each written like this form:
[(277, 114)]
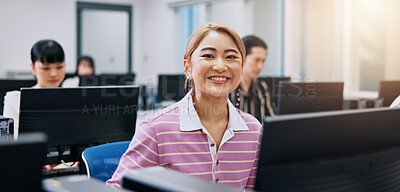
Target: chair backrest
[(101, 161)]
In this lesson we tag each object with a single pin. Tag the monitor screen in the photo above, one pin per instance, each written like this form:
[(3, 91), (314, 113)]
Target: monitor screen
[(273, 87), (13, 85), (84, 115), (159, 179), (171, 87), (389, 91), (21, 162), (309, 97), (106, 79), (354, 150)]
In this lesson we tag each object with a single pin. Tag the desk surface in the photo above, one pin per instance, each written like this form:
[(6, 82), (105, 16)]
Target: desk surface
[(76, 183)]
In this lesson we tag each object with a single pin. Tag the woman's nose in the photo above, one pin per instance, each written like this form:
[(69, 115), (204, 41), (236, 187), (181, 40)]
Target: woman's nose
[(53, 72), (219, 66)]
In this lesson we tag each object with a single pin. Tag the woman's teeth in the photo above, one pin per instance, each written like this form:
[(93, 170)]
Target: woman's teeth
[(219, 78)]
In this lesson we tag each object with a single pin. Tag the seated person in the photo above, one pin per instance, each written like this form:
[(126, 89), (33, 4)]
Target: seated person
[(48, 66), (203, 134), (85, 66), (251, 96), (396, 102)]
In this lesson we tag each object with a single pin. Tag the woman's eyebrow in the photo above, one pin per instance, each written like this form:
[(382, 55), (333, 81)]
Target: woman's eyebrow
[(231, 50), (208, 48)]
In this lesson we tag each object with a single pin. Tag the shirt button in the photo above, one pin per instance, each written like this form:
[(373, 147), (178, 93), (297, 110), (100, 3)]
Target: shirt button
[(216, 180), (212, 144)]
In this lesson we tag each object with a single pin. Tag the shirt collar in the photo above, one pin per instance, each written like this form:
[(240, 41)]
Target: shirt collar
[(190, 121)]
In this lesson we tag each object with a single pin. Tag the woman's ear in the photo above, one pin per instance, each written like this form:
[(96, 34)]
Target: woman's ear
[(33, 69), (186, 69)]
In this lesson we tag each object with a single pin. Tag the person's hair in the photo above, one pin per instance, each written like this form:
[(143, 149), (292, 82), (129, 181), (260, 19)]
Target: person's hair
[(47, 51), (251, 41), (87, 58), (198, 35)]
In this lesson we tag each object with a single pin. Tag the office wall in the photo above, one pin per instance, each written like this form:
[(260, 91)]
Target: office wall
[(311, 40), (338, 40), (268, 23), (392, 36), (23, 22), (158, 43), (105, 38)]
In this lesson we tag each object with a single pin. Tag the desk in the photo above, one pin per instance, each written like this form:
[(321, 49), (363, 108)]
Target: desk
[(362, 103), (76, 183)]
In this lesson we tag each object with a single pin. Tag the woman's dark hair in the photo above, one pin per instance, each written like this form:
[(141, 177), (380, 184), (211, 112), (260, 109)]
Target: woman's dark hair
[(47, 51), (251, 41), (87, 58)]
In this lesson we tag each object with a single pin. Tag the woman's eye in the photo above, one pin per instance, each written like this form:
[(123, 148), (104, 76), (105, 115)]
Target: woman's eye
[(208, 56), (60, 67), (45, 68), (231, 57)]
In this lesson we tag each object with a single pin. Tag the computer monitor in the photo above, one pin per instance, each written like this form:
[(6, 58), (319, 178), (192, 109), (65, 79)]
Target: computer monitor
[(21, 162), (171, 87), (353, 150), (118, 79), (82, 116), (389, 91), (273, 86), (106, 79), (159, 179), (13, 85), (309, 97)]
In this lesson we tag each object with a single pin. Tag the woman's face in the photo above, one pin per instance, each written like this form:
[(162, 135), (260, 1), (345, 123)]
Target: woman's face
[(48, 74), (215, 66), (84, 68)]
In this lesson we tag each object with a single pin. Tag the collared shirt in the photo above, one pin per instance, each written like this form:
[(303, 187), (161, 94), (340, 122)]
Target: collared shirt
[(255, 101), (396, 102), (175, 138)]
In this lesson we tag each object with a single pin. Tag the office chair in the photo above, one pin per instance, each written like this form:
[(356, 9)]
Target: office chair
[(101, 161)]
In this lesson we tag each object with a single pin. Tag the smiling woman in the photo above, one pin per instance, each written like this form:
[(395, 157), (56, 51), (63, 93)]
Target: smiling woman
[(203, 134)]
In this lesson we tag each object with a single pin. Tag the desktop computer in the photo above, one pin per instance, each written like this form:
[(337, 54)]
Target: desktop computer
[(21, 162), (353, 150), (76, 118), (162, 179), (309, 97), (6, 128), (13, 85)]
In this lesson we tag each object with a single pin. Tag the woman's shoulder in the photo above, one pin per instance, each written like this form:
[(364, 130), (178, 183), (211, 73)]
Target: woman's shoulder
[(13, 94), (168, 114), (250, 120), (71, 82), (396, 102)]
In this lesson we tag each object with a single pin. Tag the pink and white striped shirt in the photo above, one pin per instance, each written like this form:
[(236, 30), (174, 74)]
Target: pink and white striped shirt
[(176, 139)]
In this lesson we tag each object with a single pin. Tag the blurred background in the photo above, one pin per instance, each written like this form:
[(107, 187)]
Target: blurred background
[(354, 41)]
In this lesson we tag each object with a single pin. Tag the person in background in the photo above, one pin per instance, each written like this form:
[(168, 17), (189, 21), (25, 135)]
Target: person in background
[(203, 134), (396, 102), (85, 66), (48, 66), (251, 95)]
